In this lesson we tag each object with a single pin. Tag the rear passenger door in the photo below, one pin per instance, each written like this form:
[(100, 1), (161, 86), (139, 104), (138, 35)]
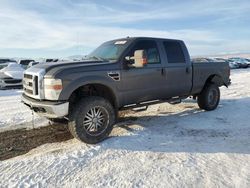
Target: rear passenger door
[(145, 83), (178, 68)]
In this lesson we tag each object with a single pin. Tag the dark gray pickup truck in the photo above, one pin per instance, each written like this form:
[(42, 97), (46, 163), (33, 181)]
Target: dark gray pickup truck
[(120, 74)]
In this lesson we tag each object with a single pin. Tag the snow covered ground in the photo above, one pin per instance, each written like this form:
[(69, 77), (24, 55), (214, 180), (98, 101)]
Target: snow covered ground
[(14, 114), (166, 146)]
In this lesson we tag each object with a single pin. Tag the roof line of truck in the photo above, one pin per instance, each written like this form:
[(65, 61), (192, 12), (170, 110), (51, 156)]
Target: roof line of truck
[(146, 38)]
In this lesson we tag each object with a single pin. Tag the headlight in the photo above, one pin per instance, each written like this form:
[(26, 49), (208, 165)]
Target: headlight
[(52, 88)]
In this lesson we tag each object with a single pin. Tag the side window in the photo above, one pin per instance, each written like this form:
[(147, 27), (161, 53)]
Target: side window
[(151, 49), (174, 52), (153, 56)]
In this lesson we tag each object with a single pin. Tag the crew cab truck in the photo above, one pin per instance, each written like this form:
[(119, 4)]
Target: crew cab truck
[(120, 74)]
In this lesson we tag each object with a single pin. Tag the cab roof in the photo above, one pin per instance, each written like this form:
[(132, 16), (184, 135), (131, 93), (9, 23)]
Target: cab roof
[(146, 38)]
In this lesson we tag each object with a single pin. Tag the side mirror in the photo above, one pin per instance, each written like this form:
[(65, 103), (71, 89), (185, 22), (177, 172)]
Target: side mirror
[(139, 59)]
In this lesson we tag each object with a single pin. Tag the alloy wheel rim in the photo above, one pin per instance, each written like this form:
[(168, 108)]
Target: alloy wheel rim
[(95, 121)]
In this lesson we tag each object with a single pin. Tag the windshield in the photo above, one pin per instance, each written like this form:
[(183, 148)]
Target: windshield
[(25, 62), (109, 51)]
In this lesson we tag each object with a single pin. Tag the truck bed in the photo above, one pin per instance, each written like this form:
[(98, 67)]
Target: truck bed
[(202, 70)]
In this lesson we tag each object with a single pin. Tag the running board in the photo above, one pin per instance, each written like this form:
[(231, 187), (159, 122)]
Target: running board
[(175, 101), (140, 106), (144, 105), (140, 109)]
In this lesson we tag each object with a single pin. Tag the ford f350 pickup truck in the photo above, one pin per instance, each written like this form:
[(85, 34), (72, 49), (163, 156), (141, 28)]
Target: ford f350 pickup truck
[(120, 74)]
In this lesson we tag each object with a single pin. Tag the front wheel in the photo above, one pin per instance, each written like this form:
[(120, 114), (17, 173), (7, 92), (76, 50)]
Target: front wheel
[(92, 119), (209, 98)]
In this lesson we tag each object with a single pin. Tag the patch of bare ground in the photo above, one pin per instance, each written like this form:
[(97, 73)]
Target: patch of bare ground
[(18, 142)]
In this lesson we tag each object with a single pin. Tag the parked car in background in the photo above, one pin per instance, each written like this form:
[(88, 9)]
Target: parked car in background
[(233, 64), (218, 59), (47, 60), (11, 76), (242, 63), (203, 60), (25, 62), (199, 60), (4, 62), (32, 63), (248, 62), (51, 60)]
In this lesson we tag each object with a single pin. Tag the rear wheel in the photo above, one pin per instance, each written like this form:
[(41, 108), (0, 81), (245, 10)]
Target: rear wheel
[(92, 120), (209, 98)]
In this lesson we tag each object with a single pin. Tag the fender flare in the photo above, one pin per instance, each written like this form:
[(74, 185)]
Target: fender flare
[(74, 85)]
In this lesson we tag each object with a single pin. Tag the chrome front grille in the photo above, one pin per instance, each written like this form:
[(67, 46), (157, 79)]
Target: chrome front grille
[(30, 85), (33, 83)]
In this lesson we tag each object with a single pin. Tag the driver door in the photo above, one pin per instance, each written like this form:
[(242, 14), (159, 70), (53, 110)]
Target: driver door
[(145, 83)]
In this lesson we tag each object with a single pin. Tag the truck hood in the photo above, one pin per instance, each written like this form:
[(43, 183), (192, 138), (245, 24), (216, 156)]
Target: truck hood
[(68, 64)]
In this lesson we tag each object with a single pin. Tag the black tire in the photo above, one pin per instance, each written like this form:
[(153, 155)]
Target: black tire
[(209, 98), (92, 119)]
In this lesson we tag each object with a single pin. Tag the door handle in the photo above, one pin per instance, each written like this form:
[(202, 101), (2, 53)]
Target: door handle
[(187, 69), (162, 70)]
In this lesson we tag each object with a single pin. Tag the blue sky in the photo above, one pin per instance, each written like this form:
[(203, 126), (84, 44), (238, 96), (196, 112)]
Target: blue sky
[(60, 28)]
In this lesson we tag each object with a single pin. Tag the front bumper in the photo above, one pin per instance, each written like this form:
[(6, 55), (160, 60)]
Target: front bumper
[(47, 109)]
